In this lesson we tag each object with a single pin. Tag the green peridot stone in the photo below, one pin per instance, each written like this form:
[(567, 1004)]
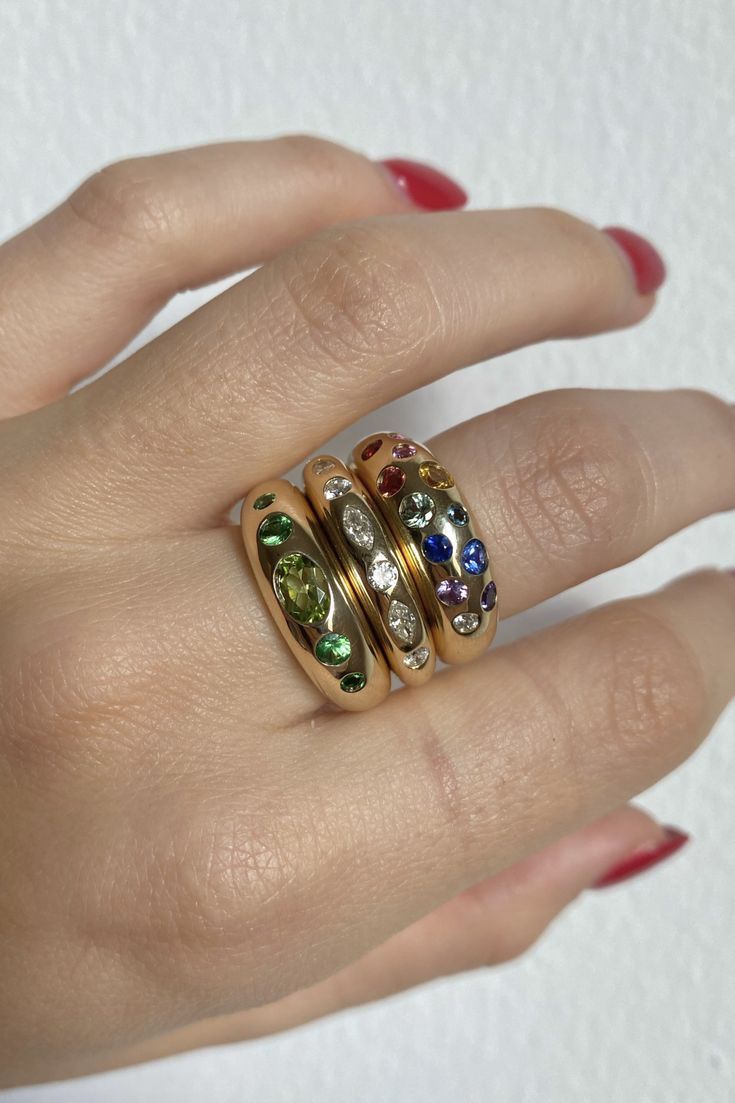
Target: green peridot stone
[(354, 682), (263, 501), (276, 528), (302, 588), (333, 649)]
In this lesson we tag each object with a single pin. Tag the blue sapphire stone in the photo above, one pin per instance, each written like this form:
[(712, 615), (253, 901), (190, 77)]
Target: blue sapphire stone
[(437, 548), (474, 557), (458, 515)]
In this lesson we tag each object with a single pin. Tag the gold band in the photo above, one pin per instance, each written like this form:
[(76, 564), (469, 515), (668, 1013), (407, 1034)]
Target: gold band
[(433, 527), (378, 568), (309, 598), (375, 567)]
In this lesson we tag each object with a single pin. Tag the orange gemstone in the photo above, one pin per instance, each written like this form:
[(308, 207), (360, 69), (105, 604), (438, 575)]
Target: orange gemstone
[(435, 476)]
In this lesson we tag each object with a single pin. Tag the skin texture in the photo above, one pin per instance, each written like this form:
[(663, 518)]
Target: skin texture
[(194, 847)]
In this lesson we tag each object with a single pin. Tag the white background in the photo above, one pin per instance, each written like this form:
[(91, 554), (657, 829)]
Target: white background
[(623, 111)]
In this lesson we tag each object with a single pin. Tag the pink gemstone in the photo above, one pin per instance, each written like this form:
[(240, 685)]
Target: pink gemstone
[(396, 436), (404, 451), (390, 481), (370, 449), (452, 591)]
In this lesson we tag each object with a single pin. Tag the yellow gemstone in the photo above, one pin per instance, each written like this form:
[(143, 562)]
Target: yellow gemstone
[(435, 476), (302, 588)]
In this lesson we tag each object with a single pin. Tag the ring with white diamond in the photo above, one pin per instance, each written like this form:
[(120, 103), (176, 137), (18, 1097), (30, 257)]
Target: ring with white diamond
[(374, 567), (432, 524), (310, 599)]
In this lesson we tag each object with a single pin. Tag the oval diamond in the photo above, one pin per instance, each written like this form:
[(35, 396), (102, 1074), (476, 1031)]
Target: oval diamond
[(402, 621), (465, 623), (320, 467), (358, 528), (336, 487), (302, 588), (416, 658)]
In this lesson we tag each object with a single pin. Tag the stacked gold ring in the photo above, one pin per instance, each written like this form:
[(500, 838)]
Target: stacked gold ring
[(377, 568)]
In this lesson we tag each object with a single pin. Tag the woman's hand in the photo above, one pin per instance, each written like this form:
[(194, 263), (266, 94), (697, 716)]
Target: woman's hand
[(186, 831)]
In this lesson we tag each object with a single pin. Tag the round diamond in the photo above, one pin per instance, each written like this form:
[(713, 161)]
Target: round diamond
[(320, 467), (390, 481), (404, 450), (336, 487), (474, 557), (402, 621), (333, 649), (437, 548), (354, 682), (263, 501), (416, 510), (489, 597), (458, 515), (465, 623), (452, 591), (275, 529), (416, 658), (370, 449), (435, 476), (302, 588), (358, 528), (382, 574)]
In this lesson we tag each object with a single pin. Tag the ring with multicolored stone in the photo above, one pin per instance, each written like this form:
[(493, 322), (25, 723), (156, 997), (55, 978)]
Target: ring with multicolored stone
[(310, 599), (432, 525), (375, 567)]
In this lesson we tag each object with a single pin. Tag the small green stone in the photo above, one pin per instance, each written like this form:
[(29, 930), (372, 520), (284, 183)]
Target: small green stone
[(333, 649), (354, 682), (264, 501), (276, 528), (302, 588)]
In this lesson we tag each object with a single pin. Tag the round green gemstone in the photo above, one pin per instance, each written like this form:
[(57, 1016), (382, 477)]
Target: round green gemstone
[(416, 510), (354, 682), (264, 501), (333, 649), (302, 588), (276, 528)]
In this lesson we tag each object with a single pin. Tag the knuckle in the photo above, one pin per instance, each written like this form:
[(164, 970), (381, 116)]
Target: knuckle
[(125, 201), (359, 296), (652, 696), (574, 481), (583, 270), (320, 163)]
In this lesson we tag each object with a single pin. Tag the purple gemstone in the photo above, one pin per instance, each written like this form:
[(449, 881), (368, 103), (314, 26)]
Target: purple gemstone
[(489, 597), (452, 591), (404, 450)]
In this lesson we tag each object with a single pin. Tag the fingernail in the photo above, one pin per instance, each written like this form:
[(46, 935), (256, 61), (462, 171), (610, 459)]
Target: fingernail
[(644, 858), (425, 186), (647, 263)]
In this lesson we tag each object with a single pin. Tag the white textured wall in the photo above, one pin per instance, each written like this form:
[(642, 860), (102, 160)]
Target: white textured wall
[(623, 111)]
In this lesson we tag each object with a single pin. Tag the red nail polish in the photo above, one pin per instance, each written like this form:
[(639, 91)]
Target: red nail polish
[(644, 859), (647, 263), (425, 186)]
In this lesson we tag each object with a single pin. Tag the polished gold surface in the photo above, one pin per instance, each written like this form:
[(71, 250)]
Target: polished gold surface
[(374, 565), (309, 596), (392, 469)]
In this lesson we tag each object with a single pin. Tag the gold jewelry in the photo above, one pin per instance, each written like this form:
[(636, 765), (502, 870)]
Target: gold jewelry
[(310, 598), (374, 566), (433, 528)]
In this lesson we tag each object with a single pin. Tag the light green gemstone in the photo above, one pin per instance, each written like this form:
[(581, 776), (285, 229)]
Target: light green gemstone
[(354, 682), (333, 649), (416, 510), (263, 501), (276, 528), (302, 589)]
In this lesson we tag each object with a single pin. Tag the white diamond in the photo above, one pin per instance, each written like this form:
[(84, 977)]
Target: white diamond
[(358, 528), (465, 623), (320, 467), (336, 487), (417, 658), (382, 574), (402, 621)]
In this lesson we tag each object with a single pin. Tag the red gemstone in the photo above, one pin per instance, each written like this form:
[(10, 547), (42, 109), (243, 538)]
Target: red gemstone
[(370, 449), (390, 481)]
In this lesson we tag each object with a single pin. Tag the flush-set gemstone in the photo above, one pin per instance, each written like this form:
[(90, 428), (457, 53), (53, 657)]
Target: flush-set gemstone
[(358, 528), (302, 588), (336, 487), (370, 449), (437, 548), (402, 621), (466, 623), (435, 476), (452, 591), (382, 575), (353, 682), (333, 649), (416, 510), (458, 515), (474, 557), (417, 658), (404, 450), (275, 529), (390, 480), (489, 597), (263, 501), (320, 467)]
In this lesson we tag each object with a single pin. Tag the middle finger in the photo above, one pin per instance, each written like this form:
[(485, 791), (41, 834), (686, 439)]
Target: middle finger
[(249, 384)]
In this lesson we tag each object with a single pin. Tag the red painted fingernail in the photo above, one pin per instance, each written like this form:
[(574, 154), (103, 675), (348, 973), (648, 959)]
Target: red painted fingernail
[(644, 858), (647, 263), (425, 186)]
